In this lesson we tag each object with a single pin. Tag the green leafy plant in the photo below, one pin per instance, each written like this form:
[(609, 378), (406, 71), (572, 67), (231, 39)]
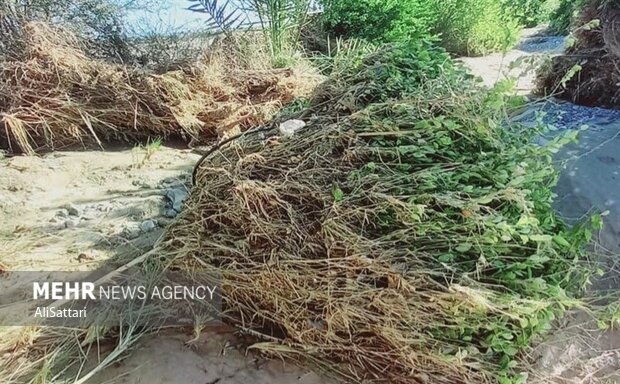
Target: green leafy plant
[(529, 13), (378, 20), (475, 27), (343, 53), (391, 72), (293, 108), (466, 27), (571, 40), (542, 266), (562, 18), (608, 317)]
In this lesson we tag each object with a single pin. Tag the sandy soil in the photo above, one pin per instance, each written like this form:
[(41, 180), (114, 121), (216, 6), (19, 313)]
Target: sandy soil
[(214, 358), (75, 210)]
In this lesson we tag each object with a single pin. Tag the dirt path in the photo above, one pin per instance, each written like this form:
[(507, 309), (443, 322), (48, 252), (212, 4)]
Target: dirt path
[(519, 62)]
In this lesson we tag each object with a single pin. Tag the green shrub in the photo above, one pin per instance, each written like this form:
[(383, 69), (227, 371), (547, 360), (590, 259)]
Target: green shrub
[(390, 72), (395, 71), (417, 19), (379, 20), (366, 19), (467, 27), (564, 15), (475, 27), (530, 13)]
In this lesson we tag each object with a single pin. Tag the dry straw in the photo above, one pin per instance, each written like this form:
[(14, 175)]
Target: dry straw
[(53, 95)]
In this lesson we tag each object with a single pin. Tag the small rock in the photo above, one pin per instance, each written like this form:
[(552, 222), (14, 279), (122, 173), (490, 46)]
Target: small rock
[(175, 198), (171, 213), (63, 213), (89, 216), (70, 223), (163, 222), (131, 232), (82, 257), (289, 127), (148, 226), (73, 210)]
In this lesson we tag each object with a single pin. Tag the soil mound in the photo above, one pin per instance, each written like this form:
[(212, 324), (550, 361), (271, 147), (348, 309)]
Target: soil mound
[(589, 72)]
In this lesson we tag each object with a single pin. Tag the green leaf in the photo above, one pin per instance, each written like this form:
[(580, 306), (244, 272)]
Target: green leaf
[(464, 247), (505, 380), (597, 222), (602, 325), (561, 241), (570, 74), (510, 351), (540, 238), (337, 193)]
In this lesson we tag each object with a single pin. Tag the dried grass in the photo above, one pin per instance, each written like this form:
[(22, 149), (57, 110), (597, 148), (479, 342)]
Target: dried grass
[(313, 278), (54, 96)]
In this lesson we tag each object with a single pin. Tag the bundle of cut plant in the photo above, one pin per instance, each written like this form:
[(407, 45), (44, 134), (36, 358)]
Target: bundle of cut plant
[(403, 236), (53, 95), (588, 73)]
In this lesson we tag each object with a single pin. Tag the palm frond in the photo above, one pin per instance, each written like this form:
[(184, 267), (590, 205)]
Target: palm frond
[(222, 16)]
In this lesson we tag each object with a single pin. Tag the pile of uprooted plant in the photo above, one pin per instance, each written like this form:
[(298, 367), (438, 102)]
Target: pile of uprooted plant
[(405, 235), (53, 95), (589, 72)]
